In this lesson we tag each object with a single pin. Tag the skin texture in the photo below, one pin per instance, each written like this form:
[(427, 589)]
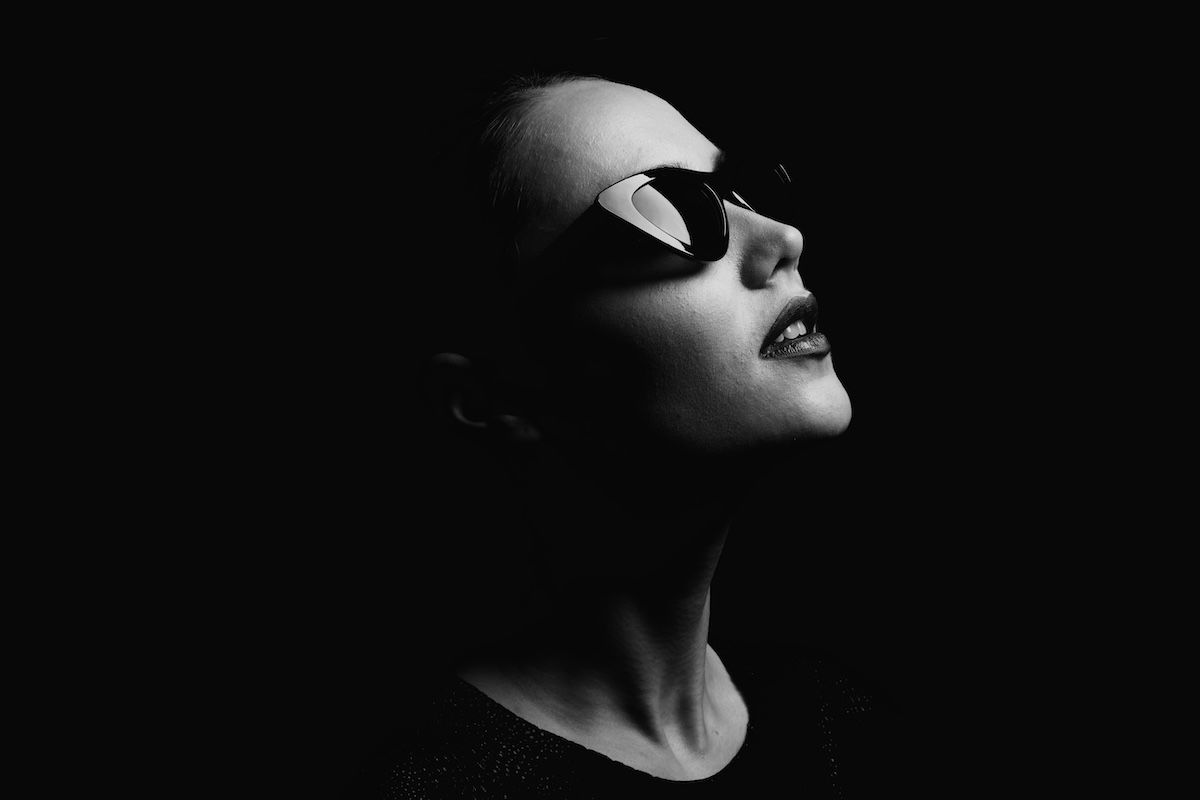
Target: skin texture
[(678, 353), (660, 406)]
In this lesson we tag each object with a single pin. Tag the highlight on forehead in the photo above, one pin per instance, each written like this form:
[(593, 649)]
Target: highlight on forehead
[(607, 131), (550, 143), (585, 135), (500, 143)]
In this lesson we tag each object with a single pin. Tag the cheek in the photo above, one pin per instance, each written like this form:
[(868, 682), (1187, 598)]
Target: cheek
[(679, 361), (674, 358)]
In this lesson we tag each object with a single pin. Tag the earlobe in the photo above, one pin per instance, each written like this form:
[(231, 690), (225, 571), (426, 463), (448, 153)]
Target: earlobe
[(456, 388)]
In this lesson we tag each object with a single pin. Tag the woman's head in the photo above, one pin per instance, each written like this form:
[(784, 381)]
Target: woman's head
[(652, 348)]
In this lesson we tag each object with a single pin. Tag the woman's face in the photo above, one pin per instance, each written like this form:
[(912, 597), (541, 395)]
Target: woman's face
[(675, 356)]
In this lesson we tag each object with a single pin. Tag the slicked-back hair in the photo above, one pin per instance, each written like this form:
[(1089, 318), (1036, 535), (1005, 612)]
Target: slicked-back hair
[(475, 206), (503, 129), (484, 205)]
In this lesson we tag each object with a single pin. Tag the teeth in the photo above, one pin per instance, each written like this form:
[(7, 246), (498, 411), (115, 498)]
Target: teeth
[(792, 331), (795, 329)]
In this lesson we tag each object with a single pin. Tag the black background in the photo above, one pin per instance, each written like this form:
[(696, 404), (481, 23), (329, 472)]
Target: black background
[(926, 549)]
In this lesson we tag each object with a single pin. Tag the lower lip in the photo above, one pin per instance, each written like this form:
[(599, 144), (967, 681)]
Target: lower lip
[(811, 345)]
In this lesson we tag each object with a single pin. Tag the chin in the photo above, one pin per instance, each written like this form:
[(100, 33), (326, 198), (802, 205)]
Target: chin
[(838, 419), (835, 411), (837, 408), (814, 422), (824, 423), (823, 411)]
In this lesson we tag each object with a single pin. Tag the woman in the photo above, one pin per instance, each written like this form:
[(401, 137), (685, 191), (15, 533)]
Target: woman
[(642, 351)]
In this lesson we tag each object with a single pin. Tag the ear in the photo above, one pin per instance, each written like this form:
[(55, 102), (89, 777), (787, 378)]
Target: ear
[(452, 387), (459, 389)]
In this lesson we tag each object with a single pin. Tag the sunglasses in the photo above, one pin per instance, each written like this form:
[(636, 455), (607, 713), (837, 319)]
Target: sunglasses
[(682, 210)]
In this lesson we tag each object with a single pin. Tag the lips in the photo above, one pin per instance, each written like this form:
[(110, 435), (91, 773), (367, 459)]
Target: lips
[(794, 332)]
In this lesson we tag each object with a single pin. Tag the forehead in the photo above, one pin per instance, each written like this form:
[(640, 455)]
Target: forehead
[(587, 135)]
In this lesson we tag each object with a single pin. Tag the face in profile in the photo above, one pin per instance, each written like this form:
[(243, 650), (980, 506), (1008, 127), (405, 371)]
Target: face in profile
[(685, 352)]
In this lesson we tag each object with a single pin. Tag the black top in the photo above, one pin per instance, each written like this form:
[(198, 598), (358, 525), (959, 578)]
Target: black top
[(813, 731)]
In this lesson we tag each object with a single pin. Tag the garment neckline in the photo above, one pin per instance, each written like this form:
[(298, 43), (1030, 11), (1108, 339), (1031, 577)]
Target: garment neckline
[(576, 746)]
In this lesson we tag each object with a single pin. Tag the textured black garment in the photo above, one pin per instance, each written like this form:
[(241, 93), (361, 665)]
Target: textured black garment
[(813, 733)]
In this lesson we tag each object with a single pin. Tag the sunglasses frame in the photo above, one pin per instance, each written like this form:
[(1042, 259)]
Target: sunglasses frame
[(616, 203)]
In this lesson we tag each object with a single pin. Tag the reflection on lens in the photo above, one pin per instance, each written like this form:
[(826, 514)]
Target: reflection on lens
[(685, 209), (654, 206)]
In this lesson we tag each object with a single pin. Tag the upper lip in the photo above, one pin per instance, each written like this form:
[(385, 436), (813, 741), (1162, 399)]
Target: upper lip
[(802, 308)]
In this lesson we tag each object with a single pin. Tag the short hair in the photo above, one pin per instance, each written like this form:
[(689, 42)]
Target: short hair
[(503, 126), (483, 161)]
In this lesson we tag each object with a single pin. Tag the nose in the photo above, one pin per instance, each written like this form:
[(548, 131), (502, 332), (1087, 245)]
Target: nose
[(764, 247)]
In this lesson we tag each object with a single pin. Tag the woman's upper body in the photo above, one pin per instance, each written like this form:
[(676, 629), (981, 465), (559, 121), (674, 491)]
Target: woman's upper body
[(649, 349)]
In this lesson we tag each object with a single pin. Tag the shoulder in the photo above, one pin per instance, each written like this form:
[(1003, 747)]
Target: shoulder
[(802, 700), (420, 752), (767, 668), (463, 745)]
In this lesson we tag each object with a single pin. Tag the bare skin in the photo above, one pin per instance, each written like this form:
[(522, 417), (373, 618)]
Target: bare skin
[(629, 673), (624, 668)]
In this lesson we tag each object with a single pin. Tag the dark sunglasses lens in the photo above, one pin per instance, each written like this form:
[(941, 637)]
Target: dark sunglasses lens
[(768, 191), (687, 210)]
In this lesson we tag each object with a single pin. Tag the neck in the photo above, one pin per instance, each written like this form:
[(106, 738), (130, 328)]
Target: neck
[(627, 644), (623, 660)]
